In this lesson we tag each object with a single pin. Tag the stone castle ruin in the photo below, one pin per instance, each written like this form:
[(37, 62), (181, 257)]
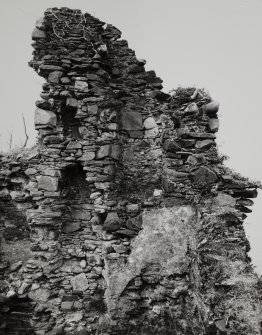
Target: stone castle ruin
[(123, 219)]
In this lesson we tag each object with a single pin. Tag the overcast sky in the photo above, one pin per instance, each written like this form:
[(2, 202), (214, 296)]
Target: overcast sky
[(216, 44)]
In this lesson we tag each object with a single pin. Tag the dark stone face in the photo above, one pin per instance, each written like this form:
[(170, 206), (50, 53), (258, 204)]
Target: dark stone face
[(130, 120)]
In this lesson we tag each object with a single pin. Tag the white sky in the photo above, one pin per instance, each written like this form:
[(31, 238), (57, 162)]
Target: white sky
[(216, 44)]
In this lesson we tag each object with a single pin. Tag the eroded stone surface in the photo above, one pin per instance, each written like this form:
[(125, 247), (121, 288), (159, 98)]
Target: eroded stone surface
[(163, 242)]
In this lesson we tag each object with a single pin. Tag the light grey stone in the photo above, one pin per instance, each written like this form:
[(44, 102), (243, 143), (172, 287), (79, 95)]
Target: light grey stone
[(45, 118), (150, 123), (205, 144), (80, 282), (223, 199), (151, 133), (87, 156), (38, 34), (213, 125), (103, 151), (30, 171), (54, 77), (47, 183), (81, 86), (74, 145), (191, 109), (40, 295), (40, 23)]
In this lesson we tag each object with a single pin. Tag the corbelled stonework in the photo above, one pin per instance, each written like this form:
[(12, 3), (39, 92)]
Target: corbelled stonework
[(123, 219)]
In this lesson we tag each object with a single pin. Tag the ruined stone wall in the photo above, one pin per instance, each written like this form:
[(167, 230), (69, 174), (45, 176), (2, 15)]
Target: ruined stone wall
[(123, 219)]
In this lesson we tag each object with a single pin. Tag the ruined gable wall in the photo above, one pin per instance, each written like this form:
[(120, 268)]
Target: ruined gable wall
[(134, 223)]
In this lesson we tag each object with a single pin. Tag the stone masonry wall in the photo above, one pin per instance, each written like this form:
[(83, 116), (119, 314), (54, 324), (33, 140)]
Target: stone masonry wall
[(123, 219)]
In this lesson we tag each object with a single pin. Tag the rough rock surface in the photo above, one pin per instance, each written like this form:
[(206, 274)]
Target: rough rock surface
[(123, 219)]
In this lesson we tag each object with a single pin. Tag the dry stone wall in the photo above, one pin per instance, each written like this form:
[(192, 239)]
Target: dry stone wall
[(123, 219)]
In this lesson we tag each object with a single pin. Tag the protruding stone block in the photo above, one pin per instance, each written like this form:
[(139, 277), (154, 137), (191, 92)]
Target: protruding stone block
[(50, 67), (47, 183), (205, 144), (38, 34), (212, 108), (45, 118), (213, 125), (40, 23)]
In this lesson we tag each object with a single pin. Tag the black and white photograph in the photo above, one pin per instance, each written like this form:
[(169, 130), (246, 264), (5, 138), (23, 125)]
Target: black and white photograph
[(131, 167)]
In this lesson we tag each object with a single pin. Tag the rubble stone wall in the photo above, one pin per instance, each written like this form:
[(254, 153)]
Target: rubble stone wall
[(123, 219)]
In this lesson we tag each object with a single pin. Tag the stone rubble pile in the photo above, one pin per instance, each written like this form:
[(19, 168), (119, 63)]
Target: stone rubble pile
[(124, 218)]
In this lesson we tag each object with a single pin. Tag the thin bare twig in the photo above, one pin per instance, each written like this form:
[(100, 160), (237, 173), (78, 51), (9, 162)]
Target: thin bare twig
[(26, 136)]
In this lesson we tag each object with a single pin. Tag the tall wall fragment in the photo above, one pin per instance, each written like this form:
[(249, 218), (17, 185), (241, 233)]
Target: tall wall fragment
[(123, 220)]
